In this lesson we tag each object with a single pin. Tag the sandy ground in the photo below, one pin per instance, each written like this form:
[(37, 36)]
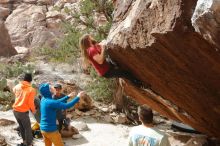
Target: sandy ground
[(99, 133)]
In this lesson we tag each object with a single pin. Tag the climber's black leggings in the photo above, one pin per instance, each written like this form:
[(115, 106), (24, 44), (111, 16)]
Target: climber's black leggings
[(120, 73)]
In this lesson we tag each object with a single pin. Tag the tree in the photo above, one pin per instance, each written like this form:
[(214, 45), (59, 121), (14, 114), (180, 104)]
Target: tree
[(87, 16)]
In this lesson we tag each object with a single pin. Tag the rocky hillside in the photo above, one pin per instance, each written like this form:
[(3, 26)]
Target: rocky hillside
[(35, 23), (174, 46)]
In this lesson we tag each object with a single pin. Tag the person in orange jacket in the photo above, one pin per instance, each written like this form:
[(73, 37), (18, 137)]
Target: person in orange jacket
[(24, 101)]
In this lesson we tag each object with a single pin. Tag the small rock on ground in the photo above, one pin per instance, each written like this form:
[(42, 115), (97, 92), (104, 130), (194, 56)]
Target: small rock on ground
[(81, 126)]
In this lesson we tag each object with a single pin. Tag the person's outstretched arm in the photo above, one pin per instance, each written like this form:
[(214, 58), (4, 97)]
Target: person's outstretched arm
[(64, 99), (61, 105)]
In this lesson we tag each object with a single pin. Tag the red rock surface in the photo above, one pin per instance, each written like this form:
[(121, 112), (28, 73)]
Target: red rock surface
[(155, 41)]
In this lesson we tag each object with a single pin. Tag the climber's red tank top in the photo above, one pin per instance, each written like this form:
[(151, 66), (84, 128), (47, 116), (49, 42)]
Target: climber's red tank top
[(101, 69)]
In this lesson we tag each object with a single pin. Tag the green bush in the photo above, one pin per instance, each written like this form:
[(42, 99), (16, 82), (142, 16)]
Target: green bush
[(6, 97), (3, 84), (14, 69), (68, 50), (101, 89)]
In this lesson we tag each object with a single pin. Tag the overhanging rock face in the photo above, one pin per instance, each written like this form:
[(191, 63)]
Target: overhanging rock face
[(156, 41)]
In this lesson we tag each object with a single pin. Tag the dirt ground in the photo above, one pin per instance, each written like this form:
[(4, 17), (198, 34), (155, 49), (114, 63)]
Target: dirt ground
[(99, 133)]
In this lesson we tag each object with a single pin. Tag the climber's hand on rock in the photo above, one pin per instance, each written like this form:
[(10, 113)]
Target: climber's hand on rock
[(103, 43)]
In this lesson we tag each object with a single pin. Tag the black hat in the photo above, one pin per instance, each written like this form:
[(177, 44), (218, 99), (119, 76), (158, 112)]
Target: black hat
[(58, 86), (27, 77)]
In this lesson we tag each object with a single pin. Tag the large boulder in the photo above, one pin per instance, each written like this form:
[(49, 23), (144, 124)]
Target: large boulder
[(85, 103), (165, 51), (36, 23), (6, 48), (27, 27), (23, 22), (206, 20)]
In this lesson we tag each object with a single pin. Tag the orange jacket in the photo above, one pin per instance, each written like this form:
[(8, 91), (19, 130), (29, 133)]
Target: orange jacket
[(24, 97)]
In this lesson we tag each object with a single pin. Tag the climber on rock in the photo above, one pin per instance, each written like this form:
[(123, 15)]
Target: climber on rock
[(93, 54)]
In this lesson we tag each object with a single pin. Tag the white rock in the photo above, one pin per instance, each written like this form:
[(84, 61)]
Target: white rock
[(77, 136), (67, 5), (112, 107), (105, 109), (68, 18), (121, 119), (113, 114), (22, 50), (54, 14), (81, 126)]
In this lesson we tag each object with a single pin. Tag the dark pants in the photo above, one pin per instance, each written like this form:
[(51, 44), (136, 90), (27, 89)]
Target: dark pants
[(25, 126), (63, 122), (115, 72)]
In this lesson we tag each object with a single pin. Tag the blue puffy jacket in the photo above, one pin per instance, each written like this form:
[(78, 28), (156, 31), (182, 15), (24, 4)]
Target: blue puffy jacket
[(49, 107)]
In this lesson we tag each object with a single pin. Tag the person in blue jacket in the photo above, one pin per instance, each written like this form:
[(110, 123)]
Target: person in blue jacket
[(48, 109)]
